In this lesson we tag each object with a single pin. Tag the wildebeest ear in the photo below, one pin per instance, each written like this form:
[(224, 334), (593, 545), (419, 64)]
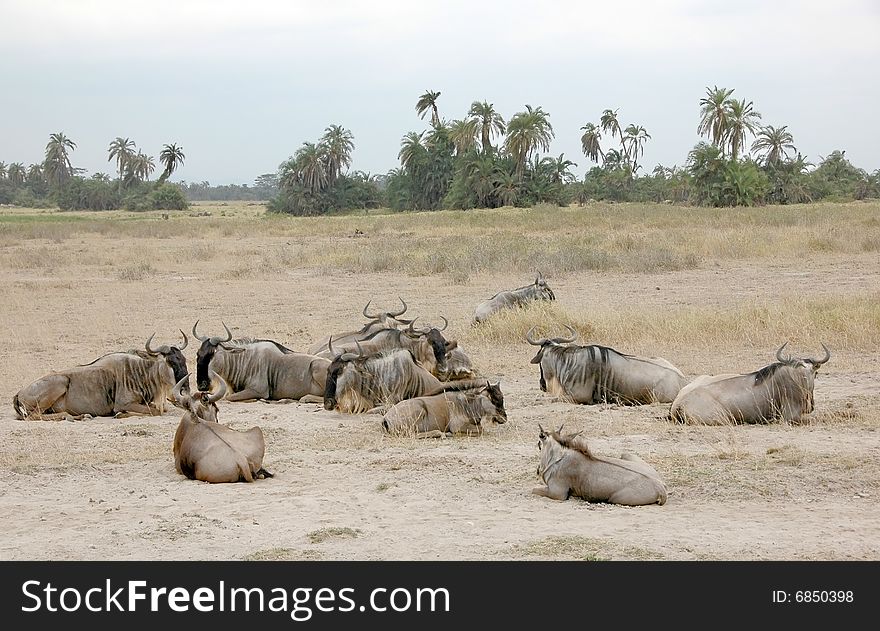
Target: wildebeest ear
[(451, 345), (541, 433)]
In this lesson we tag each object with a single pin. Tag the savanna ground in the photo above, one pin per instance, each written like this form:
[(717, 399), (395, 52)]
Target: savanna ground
[(712, 290)]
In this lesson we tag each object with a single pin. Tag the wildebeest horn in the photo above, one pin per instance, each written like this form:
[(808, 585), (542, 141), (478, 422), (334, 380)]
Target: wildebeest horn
[(367, 315), (162, 350), (445, 323), (779, 354), (394, 314), (819, 362), (200, 338), (410, 332), (360, 350), (221, 391), (330, 346), (571, 332), (532, 340), (541, 429), (216, 340), (181, 385), (185, 340)]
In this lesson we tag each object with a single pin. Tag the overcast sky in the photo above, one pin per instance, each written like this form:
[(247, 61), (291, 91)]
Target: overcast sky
[(241, 85)]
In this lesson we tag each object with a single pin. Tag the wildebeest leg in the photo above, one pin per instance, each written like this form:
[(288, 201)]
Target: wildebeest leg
[(556, 490), (434, 433), (379, 409), (245, 395), (137, 408), (40, 397), (311, 398)]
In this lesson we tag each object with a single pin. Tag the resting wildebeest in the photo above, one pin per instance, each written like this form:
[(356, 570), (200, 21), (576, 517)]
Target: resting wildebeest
[(427, 344), (358, 382), (116, 384), (597, 374), (514, 298), (782, 390), (377, 322), (568, 467), (208, 451), (447, 414), (259, 369)]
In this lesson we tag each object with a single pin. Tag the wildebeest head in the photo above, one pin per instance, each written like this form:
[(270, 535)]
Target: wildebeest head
[(493, 409), (440, 346), (348, 363), (173, 355), (202, 405), (206, 353), (543, 289), (545, 342), (804, 372)]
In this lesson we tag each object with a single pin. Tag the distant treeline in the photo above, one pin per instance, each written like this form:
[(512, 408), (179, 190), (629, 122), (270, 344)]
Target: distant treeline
[(265, 188)]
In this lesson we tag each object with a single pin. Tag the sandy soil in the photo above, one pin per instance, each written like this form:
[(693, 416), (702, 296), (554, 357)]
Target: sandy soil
[(107, 488)]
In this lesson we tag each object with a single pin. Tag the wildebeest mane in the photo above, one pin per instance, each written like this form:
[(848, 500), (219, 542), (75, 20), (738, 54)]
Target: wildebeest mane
[(573, 441), (768, 371)]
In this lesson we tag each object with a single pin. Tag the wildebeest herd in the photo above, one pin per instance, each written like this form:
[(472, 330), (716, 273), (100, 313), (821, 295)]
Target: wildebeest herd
[(423, 384)]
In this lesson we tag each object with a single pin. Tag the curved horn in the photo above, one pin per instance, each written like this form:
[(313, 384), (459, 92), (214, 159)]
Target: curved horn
[(181, 385), (445, 323), (330, 346), (394, 314), (410, 332), (779, 353), (565, 340), (200, 338), (185, 340), (532, 340), (819, 362), (221, 391), (147, 345), (360, 350), (367, 315), (541, 429), (228, 333)]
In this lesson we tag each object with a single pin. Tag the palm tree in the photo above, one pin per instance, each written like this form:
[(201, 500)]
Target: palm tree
[(122, 150), (138, 168), (101, 177), (411, 150), (609, 123), (776, 143), (507, 188), (16, 174), (310, 161), (57, 163), (489, 122), (428, 102), (590, 142), (171, 156), (528, 132), (463, 134), (558, 169), (2, 170), (743, 118), (635, 139), (338, 144), (715, 115), (34, 173)]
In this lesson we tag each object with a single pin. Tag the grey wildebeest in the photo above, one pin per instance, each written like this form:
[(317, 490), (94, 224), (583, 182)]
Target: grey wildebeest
[(569, 467), (514, 298), (259, 369), (377, 322), (597, 374), (208, 451), (360, 382), (447, 414), (427, 344), (782, 390), (116, 384)]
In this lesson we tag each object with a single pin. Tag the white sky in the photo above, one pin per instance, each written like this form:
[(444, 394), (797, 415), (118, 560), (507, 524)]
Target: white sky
[(241, 85)]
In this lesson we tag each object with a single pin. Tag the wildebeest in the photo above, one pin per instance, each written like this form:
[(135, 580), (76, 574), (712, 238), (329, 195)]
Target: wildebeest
[(448, 414), (359, 382), (208, 451), (597, 374), (259, 369), (377, 322), (514, 298), (122, 383), (568, 467), (427, 344), (782, 390)]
